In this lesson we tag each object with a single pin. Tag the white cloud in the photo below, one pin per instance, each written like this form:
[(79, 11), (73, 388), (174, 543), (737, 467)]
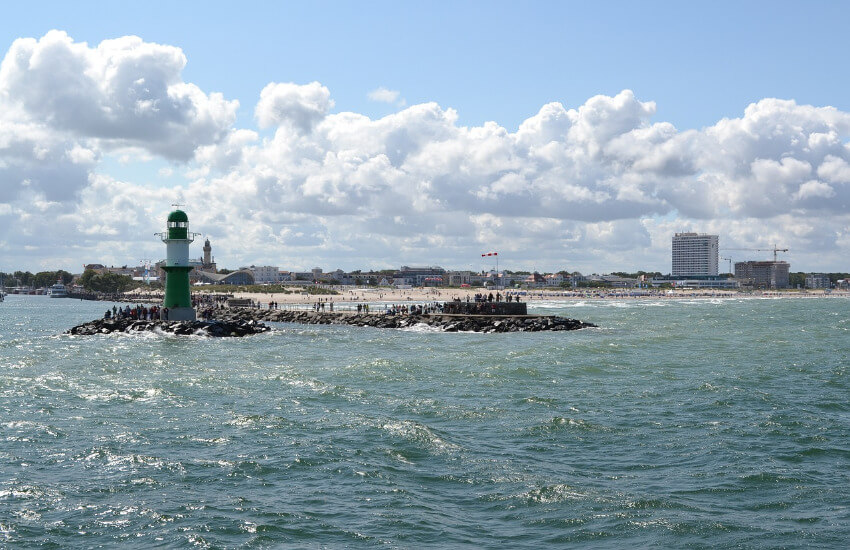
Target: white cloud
[(383, 95), (82, 155), (124, 92), (814, 189), (300, 107), (835, 169), (597, 186), (34, 159)]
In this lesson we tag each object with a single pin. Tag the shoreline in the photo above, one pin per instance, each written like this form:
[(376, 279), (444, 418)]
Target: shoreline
[(348, 296)]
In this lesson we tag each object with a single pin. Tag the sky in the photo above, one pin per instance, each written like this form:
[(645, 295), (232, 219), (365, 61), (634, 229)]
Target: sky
[(564, 135)]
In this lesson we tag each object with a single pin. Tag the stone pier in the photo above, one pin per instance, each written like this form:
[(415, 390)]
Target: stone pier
[(233, 328), (447, 322)]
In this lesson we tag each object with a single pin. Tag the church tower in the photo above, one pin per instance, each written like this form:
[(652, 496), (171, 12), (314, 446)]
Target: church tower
[(207, 253)]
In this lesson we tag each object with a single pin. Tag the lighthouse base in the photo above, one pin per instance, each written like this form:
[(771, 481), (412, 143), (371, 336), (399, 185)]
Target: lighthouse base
[(179, 314)]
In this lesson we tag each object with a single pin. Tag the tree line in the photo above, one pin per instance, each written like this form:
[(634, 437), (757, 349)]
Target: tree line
[(107, 282), (37, 280), (90, 280)]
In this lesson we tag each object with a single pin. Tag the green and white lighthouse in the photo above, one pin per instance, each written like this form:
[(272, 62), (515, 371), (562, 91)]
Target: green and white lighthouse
[(177, 238)]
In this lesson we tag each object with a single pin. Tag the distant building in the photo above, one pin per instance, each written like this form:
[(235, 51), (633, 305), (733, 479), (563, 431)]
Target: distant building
[(339, 277), (613, 281), (265, 274), (306, 276), (241, 277), (478, 279), (694, 254), (494, 278), (416, 276), (318, 276), (101, 269), (555, 279), (706, 282), (534, 280), (767, 275), (818, 280), (620, 282), (457, 278), (208, 262)]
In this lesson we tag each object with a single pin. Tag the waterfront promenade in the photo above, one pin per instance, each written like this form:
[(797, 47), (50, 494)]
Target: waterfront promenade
[(348, 297)]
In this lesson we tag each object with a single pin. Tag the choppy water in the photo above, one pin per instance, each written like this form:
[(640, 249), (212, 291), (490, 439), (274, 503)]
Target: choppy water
[(704, 423)]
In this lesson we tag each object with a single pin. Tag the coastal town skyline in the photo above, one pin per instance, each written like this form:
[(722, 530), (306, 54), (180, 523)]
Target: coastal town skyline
[(369, 138)]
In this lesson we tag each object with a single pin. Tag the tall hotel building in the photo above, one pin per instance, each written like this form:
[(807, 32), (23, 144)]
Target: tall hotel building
[(694, 255)]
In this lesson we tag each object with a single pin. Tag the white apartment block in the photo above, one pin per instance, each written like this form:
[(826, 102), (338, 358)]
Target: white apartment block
[(694, 254), (265, 274), (818, 280), (554, 279), (457, 278)]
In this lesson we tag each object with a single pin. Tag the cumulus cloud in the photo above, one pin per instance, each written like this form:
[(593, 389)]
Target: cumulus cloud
[(300, 107), (595, 186), (124, 92), (36, 161), (834, 169)]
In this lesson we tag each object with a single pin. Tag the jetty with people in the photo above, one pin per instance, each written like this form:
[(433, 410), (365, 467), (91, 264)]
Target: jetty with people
[(453, 316), (227, 321)]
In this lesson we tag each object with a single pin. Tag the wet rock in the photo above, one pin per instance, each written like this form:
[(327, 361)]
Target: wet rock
[(446, 323), (183, 328)]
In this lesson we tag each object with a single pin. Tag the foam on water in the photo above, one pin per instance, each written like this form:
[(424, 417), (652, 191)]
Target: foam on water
[(678, 423)]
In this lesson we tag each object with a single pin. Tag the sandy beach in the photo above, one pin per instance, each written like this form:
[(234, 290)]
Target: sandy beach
[(389, 295)]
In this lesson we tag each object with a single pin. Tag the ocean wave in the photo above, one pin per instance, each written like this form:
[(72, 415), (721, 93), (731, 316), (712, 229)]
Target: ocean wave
[(420, 434), (552, 494)]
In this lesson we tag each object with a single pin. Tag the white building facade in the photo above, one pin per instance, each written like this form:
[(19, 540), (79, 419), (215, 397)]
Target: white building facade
[(818, 280), (694, 254), (458, 278), (265, 274)]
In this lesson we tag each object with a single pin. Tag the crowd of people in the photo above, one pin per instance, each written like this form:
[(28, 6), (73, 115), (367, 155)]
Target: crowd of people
[(498, 297), (216, 301), (207, 304), (137, 312), (414, 309)]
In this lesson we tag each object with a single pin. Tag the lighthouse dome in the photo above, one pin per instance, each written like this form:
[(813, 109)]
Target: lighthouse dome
[(178, 225), (178, 216)]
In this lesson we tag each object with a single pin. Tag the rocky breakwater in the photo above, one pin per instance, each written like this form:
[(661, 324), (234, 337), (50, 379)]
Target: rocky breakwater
[(444, 322), (236, 327)]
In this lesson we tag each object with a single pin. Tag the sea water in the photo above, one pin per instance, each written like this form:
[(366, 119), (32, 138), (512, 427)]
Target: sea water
[(677, 423)]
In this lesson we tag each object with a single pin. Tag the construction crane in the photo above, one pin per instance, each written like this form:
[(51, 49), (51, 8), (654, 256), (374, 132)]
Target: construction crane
[(775, 249), (730, 264)]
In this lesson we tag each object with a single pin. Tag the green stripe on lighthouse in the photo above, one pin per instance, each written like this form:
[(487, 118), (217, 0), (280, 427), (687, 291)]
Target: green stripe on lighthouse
[(177, 292)]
